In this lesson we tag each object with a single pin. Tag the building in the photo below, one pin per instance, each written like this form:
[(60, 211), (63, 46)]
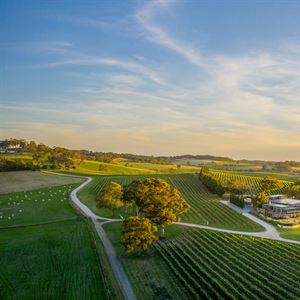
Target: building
[(279, 207)]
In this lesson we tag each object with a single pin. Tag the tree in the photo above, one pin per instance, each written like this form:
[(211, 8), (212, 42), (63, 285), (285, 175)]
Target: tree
[(138, 233), (269, 183), (294, 190), (130, 193), (260, 198), (159, 202), (111, 197), (236, 187)]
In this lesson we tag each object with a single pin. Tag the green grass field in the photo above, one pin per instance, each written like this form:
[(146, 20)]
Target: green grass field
[(47, 251), (214, 265), (38, 206), (99, 168), (11, 182), (206, 209), (291, 234)]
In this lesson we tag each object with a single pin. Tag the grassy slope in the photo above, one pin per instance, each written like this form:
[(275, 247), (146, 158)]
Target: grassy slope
[(11, 182), (206, 208), (148, 275), (101, 168)]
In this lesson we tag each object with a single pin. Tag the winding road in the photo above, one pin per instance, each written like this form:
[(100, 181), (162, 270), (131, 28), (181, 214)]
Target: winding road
[(126, 288)]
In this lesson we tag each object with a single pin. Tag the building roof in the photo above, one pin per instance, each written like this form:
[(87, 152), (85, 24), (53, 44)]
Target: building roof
[(286, 201)]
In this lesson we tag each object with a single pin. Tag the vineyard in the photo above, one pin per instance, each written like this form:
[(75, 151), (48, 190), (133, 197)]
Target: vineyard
[(252, 182), (206, 209), (214, 265)]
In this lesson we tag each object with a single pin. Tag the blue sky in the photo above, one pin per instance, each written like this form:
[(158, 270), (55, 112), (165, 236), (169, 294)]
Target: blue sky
[(153, 77)]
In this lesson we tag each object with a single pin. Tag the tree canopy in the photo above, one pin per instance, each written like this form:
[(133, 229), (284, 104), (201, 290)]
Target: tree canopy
[(138, 234), (157, 201), (111, 197)]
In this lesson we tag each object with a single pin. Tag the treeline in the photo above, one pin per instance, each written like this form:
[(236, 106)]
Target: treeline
[(16, 165), (38, 149), (238, 200), (212, 184)]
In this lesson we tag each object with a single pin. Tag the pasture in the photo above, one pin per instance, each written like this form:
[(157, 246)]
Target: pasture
[(206, 209), (12, 182), (37, 206), (214, 265), (47, 251)]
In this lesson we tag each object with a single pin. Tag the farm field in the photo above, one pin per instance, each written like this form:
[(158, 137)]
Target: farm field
[(252, 182), (149, 275), (11, 182), (53, 261), (162, 168), (206, 209), (214, 265), (47, 251), (279, 175), (37, 206)]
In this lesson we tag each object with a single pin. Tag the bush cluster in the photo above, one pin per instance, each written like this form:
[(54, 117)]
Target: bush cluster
[(238, 200), (16, 165)]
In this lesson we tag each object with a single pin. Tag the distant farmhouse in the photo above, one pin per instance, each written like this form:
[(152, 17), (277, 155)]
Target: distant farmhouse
[(9, 148), (279, 207)]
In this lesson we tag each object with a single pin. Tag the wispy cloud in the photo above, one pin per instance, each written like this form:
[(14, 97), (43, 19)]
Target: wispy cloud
[(153, 32)]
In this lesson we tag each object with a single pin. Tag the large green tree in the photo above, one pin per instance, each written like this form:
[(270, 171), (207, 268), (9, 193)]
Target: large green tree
[(269, 184), (159, 202), (111, 197), (138, 234)]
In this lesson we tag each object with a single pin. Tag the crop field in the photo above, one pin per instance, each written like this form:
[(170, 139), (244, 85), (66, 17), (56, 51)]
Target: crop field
[(162, 168), (206, 209), (252, 182), (214, 265), (53, 261), (20, 181)]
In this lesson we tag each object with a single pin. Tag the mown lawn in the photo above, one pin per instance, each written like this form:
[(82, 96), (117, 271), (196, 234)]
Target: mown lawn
[(291, 234)]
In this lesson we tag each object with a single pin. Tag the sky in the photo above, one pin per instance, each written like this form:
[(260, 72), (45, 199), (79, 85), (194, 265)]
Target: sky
[(153, 77)]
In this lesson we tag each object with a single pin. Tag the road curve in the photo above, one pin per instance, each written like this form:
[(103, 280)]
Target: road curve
[(269, 233)]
